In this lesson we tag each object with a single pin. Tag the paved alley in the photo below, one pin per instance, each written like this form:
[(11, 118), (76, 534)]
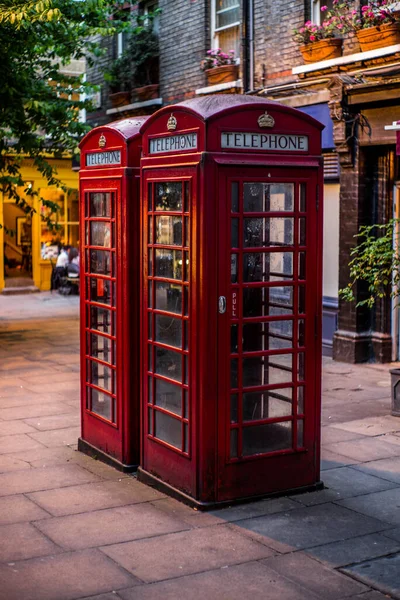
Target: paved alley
[(72, 528)]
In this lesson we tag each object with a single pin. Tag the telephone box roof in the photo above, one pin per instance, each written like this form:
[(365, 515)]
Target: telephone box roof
[(127, 128), (210, 107)]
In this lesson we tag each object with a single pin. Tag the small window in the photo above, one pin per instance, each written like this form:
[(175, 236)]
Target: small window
[(225, 25), (316, 15)]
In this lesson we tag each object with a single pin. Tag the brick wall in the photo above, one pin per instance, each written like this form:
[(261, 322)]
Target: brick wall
[(95, 75)]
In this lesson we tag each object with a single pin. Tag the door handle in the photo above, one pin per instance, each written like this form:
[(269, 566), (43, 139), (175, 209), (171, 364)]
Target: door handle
[(222, 305)]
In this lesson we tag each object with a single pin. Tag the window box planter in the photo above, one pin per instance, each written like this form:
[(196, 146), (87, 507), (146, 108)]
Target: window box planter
[(322, 50), (147, 92), (120, 99), (222, 74), (379, 37)]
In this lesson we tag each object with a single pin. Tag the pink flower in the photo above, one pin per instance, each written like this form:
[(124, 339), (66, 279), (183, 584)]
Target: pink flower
[(324, 8), (312, 38)]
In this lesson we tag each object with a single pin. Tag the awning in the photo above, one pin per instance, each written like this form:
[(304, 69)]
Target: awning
[(322, 114)]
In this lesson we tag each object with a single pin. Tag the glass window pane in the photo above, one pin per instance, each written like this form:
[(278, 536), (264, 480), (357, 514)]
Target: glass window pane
[(187, 231), (276, 301), (100, 234), (169, 230), (267, 438), (168, 429), (272, 266), (168, 264), (234, 373), (300, 434), (267, 231), (168, 297), (234, 408), (235, 233), (101, 404), (234, 268), (100, 262), (50, 240), (228, 16), (150, 196), (100, 204), (302, 265), (72, 238), (101, 347), (102, 376), (268, 197), (302, 231), (168, 330), (150, 417), (267, 370), (234, 443), (169, 364), (267, 405), (102, 290), (101, 319), (187, 198), (301, 366), (186, 428), (168, 396), (73, 205), (168, 196), (150, 230), (235, 197), (302, 332), (300, 400), (303, 198), (234, 339)]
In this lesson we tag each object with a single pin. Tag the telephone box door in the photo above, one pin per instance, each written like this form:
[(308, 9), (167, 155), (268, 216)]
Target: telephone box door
[(268, 331)]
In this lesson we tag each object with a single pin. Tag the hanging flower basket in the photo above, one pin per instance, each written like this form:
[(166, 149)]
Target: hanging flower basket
[(379, 36), (222, 74), (321, 50), (147, 92), (120, 99)]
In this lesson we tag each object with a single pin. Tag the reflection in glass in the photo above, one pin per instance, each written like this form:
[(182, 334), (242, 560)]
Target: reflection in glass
[(168, 264), (101, 291), (168, 297), (186, 329), (168, 330), (267, 336), (102, 376), (234, 339), (303, 197), (168, 429), (235, 233), (265, 267), (99, 205), (267, 231), (101, 347), (150, 196), (185, 404), (101, 404), (186, 266), (301, 366), (268, 197), (168, 396), (235, 197), (187, 232), (168, 196), (274, 301), (186, 298), (100, 319), (302, 332), (234, 268), (100, 234), (150, 229), (302, 231), (300, 400), (267, 438), (267, 370), (302, 265), (100, 262), (267, 405), (186, 193), (169, 230), (168, 363)]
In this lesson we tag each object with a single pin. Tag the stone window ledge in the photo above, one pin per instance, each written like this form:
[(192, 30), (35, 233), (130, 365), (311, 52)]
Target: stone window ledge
[(134, 106), (345, 60), (220, 87)]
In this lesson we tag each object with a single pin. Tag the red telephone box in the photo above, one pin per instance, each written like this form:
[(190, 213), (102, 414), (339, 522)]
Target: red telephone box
[(110, 281), (231, 316)]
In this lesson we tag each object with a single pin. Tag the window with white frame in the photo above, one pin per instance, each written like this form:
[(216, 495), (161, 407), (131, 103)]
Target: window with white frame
[(316, 15), (225, 25)]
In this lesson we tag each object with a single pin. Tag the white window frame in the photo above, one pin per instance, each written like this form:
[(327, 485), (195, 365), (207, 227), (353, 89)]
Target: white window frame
[(214, 30)]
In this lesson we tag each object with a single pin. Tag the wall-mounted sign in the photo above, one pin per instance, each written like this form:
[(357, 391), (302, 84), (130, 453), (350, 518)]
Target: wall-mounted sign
[(109, 157), (264, 141), (173, 143)]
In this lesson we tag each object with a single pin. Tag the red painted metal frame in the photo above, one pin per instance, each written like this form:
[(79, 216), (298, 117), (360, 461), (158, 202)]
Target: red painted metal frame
[(207, 475), (116, 440)]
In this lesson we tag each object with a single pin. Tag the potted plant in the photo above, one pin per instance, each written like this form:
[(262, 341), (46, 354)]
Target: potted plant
[(119, 78), (376, 26), (220, 67), (143, 51)]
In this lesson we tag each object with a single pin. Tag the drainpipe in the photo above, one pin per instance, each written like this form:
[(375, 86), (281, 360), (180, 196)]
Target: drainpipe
[(248, 45)]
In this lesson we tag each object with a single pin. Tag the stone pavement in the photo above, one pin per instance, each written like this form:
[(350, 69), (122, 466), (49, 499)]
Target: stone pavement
[(73, 528)]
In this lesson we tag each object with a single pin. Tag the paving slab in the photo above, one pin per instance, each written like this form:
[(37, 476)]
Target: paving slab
[(32, 480), (16, 509), (372, 425), (386, 468), (393, 533), (187, 552), (94, 496), (331, 460), (21, 541), (374, 595), (382, 574), (10, 463), (355, 550), (384, 506), (35, 410), (109, 526), (365, 449), (46, 457), (252, 580), (332, 434), (347, 481), (15, 427), (313, 526), (25, 399), (57, 437), (67, 576), (318, 579), (52, 422), (18, 443)]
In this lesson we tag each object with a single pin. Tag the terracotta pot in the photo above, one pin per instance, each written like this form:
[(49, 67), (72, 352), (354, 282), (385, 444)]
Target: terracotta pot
[(222, 74), (120, 99), (322, 50), (379, 37), (147, 92)]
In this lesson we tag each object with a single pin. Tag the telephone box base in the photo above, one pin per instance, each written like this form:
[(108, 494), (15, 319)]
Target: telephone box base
[(93, 452), (161, 486)]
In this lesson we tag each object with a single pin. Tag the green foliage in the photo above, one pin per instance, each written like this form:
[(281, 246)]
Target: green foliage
[(374, 262), (39, 104)]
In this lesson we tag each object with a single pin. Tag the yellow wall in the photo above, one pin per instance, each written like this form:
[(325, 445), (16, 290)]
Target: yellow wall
[(41, 269)]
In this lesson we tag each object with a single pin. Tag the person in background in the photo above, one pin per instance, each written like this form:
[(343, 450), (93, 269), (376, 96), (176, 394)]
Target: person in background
[(63, 258), (73, 263)]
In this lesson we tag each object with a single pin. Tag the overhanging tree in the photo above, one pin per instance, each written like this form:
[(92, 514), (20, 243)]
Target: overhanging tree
[(39, 104)]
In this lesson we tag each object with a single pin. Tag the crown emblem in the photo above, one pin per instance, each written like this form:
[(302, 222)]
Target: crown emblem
[(172, 123), (266, 120), (102, 141)]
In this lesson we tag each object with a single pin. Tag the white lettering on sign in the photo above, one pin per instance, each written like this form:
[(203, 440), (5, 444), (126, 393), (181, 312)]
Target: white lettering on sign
[(234, 305), (110, 157), (264, 141), (173, 143)]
